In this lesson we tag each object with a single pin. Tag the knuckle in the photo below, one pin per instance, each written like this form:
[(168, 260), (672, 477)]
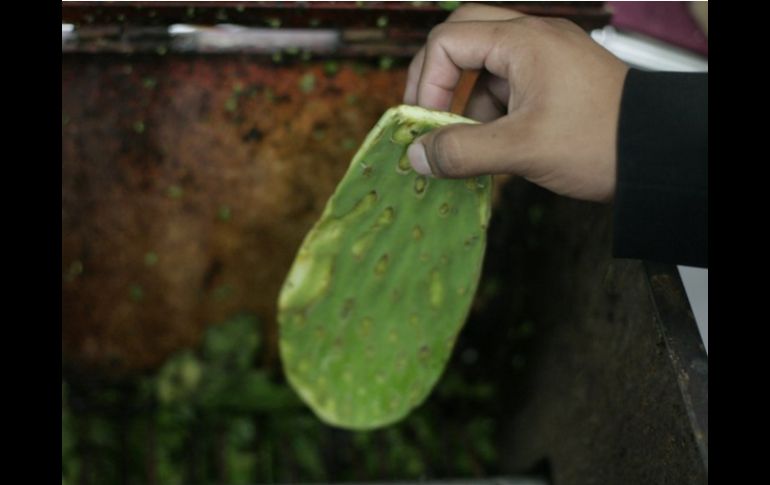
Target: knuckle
[(534, 32), (437, 32), (532, 22), (566, 24), (548, 25), (561, 21), (463, 11)]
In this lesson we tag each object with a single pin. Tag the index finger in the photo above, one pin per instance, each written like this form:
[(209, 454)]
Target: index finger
[(453, 47), (467, 12)]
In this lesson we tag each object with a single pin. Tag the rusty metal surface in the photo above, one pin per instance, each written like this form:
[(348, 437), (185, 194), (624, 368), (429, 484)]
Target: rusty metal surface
[(419, 15), (271, 14), (688, 356), (365, 29), (187, 186)]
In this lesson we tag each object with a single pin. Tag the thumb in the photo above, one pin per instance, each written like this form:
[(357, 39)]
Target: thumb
[(465, 150)]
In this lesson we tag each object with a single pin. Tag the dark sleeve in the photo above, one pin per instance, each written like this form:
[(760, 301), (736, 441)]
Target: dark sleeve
[(661, 202)]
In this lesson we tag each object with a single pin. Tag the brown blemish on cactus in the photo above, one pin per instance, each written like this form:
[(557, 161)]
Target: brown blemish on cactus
[(367, 171), (347, 307), (420, 184), (403, 165), (416, 233), (471, 241), (423, 353), (363, 243), (382, 265), (359, 247), (443, 210), (386, 217), (364, 204)]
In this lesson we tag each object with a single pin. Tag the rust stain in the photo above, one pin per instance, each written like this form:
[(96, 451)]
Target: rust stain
[(187, 186)]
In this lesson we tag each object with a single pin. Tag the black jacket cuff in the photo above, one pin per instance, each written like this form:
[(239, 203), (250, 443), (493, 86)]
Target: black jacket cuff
[(661, 199)]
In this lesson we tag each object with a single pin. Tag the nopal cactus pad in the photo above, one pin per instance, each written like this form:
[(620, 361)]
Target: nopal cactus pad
[(383, 283)]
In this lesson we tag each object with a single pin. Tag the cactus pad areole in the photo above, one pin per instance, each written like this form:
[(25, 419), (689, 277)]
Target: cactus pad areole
[(384, 281)]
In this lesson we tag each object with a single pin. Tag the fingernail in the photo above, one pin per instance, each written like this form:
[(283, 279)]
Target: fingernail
[(416, 154)]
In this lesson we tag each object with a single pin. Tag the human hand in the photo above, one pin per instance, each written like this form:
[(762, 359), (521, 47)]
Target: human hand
[(548, 97)]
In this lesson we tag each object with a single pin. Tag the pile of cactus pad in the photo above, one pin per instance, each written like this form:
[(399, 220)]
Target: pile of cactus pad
[(383, 282)]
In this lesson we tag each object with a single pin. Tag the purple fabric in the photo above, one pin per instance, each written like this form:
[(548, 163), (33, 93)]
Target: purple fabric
[(667, 21)]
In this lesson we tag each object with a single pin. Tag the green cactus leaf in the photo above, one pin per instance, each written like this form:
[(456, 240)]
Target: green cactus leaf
[(384, 281)]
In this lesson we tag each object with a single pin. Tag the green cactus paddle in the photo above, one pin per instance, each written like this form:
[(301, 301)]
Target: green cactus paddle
[(384, 281)]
